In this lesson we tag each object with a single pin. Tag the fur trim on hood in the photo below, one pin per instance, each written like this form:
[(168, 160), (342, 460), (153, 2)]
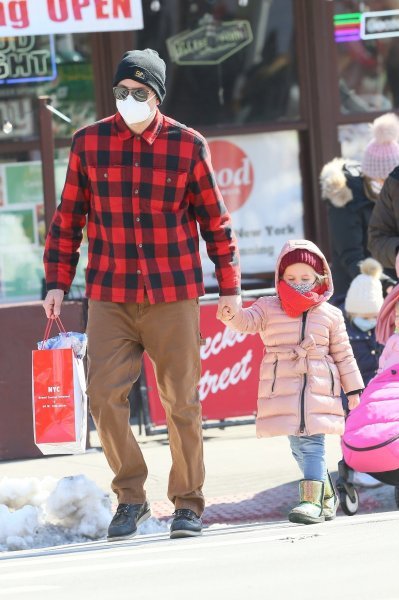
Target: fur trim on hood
[(334, 183)]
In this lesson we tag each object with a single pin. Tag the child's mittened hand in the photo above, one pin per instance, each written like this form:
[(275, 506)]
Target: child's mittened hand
[(353, 401)]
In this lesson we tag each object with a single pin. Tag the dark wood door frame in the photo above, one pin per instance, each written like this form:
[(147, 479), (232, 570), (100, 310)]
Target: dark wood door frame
[(320, 106)]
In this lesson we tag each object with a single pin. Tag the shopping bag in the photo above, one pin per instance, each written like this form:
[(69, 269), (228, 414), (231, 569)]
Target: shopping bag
[(58, 393)]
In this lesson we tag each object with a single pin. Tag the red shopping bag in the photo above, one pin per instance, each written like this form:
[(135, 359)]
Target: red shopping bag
[(59, 398), (53, 396)]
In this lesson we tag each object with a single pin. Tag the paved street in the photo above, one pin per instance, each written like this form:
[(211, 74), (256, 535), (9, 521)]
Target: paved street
[(349, 558)]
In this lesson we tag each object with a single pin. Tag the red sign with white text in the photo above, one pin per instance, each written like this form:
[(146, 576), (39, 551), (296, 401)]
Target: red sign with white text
[(230, 372)]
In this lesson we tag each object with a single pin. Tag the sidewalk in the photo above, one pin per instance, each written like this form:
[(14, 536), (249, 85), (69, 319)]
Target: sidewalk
[(247, 479)]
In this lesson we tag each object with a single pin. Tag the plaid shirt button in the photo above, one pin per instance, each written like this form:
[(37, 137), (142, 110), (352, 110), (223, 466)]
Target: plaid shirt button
[(140, 245), (137, 219), (136, 191), (138, 272), (105, 174), (168, 180), (136, 164)]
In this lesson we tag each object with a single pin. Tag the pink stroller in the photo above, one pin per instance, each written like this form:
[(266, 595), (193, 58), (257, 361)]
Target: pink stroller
[(371, 440)]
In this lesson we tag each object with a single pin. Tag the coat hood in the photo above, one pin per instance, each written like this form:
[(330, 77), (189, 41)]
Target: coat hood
[(291, 245), (334, 181)]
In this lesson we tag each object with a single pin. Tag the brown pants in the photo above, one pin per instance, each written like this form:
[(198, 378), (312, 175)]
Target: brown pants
[(169, 333)]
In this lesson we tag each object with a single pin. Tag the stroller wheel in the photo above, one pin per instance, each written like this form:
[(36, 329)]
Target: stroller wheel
[(348, 505), (397, 495)]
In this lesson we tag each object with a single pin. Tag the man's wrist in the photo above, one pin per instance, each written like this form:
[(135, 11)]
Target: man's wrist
[(230, 292)]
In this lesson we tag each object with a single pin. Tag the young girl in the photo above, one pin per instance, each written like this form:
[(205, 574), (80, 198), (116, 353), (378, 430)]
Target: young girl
[(307, 358)]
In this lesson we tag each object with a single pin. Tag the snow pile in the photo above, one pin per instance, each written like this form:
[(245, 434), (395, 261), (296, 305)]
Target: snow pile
[(16, 493), (36, 513), (17, 528), (80, 506)]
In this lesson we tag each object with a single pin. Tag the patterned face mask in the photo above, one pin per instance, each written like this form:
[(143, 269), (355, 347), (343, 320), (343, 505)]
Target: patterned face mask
[(302, 288)]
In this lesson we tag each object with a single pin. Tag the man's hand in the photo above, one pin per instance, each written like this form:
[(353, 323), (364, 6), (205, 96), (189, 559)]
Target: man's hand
[(353, 401), (52, 303), (228, 306)]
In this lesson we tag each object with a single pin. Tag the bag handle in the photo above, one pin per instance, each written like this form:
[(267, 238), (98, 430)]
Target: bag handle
[(48, 329)]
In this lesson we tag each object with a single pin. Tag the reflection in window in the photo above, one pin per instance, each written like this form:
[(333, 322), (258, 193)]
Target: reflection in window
[(354, 139), (228, 62), (58, 66), (367, 55)]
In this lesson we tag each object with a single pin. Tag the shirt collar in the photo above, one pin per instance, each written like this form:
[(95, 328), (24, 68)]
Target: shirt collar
[(149, 135)]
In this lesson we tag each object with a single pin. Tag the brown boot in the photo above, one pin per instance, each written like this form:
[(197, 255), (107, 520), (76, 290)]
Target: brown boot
[(330, 500), (310, 509)]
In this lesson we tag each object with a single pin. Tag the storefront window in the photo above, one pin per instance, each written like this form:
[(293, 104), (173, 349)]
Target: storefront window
[(22, 231), (367, 45), (58, 66), (228, 61), (354, 139), (264, 198)]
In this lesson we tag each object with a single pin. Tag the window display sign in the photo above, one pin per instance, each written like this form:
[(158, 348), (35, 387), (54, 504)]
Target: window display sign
[(35, 17), (22, 230), (351, 27), (210, 44), (260, 181), (27, 59), (379, 24)]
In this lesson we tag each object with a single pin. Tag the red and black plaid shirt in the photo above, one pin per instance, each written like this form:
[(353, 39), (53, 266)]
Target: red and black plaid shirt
[(142, 196)]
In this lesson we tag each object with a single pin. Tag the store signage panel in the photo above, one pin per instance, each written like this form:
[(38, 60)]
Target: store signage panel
[(27, 59), (260, 181), (352, 27), (36, 17), (210, 44), (379, 24)]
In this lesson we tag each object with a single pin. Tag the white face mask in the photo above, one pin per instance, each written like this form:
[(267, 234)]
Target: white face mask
[(364, 324), (133, 111)]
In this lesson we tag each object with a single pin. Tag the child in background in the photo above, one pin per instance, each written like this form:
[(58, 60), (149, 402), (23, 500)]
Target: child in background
[(307, 358), (363, 302)]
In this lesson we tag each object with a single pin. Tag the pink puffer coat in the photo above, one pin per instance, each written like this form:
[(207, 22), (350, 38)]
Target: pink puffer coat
[(306, 361), (371, 439)]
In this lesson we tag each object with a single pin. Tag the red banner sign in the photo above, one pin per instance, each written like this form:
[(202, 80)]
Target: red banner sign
[(230, 372)]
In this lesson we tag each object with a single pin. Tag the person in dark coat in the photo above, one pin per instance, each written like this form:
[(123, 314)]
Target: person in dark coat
[(351, 190), (350, 204)]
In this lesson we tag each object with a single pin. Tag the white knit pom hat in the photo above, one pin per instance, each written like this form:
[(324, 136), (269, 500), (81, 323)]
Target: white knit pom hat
[(364, 296), (382, 153)]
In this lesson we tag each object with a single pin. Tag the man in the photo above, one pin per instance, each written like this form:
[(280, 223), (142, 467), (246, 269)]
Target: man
[(143, 181)]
